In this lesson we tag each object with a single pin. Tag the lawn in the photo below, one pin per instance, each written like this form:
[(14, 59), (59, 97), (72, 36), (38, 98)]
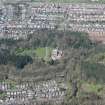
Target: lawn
[(29, 52), (40, 52), (43, 52), (94, 88)]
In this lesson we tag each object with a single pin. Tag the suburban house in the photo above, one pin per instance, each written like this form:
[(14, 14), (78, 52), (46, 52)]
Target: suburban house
[(56, 54)]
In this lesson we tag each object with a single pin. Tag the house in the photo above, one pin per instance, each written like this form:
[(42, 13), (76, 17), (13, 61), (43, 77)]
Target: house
[(56, 54)]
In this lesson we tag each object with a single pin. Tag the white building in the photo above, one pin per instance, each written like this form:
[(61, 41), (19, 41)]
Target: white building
[(56, 54)]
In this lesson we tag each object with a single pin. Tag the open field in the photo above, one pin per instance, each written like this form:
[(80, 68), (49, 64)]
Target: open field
[(29, 52), (91, 87), (40, 52)]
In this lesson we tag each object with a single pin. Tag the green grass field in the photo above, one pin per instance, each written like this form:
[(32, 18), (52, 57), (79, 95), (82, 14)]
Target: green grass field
[(39, 52), (92, 87)]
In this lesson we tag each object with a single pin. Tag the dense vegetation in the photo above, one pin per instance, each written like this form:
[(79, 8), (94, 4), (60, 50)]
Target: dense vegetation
[(82, 66)]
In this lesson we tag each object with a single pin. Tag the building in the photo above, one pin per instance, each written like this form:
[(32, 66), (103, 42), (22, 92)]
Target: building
[(56, 54)]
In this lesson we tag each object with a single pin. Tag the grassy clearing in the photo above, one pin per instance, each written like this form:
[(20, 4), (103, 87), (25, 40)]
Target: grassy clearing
[(39, 52), (43, 52), (28, 52), (92, 88)]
